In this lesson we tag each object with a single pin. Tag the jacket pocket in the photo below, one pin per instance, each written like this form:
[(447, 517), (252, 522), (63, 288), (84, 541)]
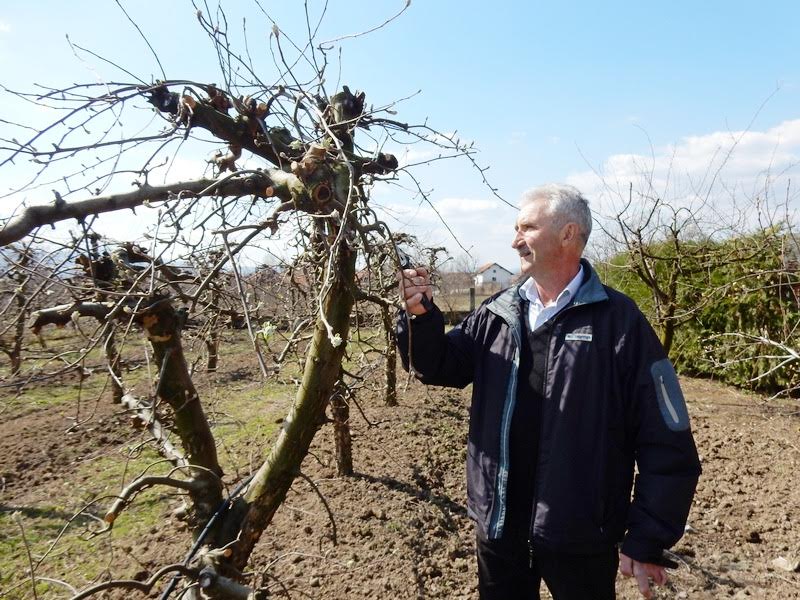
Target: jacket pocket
[(481, 476)]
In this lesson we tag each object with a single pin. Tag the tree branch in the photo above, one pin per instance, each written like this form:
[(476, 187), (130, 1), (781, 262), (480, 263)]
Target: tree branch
[(62, 314), (154, 426), (142, 586), (145, 482), (264, 184)]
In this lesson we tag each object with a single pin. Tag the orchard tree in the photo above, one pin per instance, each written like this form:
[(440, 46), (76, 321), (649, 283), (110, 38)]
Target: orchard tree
[(15, 289), (287, 161), (668, 239)]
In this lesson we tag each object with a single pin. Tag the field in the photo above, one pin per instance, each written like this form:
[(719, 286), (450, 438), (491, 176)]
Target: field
[(398, 528)]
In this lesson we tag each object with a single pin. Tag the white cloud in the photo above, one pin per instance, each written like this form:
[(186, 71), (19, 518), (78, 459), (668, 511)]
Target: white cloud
[(5, 27), (464, 207), (720, 175)]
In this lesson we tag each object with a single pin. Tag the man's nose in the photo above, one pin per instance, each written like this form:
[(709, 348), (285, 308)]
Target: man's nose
[(517, 239)]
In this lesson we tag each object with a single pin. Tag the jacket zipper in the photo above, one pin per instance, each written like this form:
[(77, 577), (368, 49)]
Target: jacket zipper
[(498, 512), (531, 552), (494, 524)]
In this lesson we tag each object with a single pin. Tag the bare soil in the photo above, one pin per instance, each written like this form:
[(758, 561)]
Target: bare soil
[(398, 528)]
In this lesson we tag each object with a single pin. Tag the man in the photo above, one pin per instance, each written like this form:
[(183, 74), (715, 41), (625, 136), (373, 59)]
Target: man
[(571, 391)]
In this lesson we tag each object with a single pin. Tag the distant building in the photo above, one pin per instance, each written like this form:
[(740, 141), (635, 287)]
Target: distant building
[(492, 276)]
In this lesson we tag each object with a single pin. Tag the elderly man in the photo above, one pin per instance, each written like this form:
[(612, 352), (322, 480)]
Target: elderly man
[(572, 391)]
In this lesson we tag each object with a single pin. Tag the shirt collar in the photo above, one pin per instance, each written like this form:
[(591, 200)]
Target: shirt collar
[(529, 292)]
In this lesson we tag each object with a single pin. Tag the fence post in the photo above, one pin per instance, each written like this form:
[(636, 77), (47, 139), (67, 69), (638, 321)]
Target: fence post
[(471, 299)]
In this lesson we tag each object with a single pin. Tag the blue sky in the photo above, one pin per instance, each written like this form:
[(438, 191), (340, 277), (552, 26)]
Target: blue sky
[(547, 91)]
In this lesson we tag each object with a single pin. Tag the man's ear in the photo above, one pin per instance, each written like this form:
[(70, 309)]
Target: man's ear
[(569, 233)]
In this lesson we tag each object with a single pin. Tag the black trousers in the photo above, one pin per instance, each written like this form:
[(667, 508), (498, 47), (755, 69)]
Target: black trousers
[(507, 572)]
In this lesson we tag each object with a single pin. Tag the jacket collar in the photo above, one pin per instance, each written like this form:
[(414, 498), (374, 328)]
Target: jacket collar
[(508, 304)]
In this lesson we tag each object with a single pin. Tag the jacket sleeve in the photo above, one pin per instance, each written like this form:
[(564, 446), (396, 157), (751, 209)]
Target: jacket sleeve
[(433, 356), (666, 457)]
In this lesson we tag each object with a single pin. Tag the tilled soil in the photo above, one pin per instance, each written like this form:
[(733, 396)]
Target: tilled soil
[(398, 527)]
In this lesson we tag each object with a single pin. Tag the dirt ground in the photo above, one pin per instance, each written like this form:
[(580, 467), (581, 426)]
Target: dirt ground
[(398, 528)]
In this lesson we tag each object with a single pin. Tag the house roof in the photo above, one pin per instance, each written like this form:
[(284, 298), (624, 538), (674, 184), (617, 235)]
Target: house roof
[(488, 266)]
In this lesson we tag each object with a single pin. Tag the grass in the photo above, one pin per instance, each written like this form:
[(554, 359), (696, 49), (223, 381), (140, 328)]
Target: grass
[(244, 413), (64, 372), (459, 302), (244, 421), (78, 556)]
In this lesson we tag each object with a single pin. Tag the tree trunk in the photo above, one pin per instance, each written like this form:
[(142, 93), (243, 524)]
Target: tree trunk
[(668, 334), (112, 356), (390, 365), (323, 365), (19, 326), (340, 410), (16, 362), (212, 335), (212, 347), (175, 387)]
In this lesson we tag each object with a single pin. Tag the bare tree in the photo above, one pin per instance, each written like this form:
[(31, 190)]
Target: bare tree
[(14, 295), (307, 179), (670, 239)]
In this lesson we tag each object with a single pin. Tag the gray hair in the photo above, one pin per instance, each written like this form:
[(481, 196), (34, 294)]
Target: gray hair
[(565, 204)]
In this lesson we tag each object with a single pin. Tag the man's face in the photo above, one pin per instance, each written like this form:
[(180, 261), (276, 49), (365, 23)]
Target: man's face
[(536, 240)]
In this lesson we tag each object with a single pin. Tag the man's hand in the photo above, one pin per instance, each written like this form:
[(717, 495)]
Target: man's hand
[(414, 284), (643, 572)]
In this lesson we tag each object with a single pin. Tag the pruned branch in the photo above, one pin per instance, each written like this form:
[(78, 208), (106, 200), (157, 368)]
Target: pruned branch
[(145, 482), (262, 184), (140, 586), (144, 414), (65, 313), (216, 586)]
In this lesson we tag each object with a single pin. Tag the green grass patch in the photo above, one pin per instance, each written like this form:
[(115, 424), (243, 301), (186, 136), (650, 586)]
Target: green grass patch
[(62, 391), (76, 557), (244, 420)]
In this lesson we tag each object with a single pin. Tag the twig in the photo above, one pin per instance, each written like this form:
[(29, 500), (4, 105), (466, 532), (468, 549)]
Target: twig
[(355, 35), (144, 37), (58, 582), (324, 503), (142, 586), (245, 308), (292, 339), (142, 483), (18, 519), (147, 415)]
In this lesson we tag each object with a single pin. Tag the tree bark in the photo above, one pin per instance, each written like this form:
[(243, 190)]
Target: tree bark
[(64, 313), (143, 413), (175, 387), (212, 347), (113, 359), (323, 364), (390, 364), (343, 442)]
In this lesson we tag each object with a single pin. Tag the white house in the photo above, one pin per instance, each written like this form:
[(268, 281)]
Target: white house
[(492, 275)]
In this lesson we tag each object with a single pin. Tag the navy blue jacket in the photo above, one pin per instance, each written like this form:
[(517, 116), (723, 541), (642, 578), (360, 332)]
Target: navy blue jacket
[(611, 400)]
